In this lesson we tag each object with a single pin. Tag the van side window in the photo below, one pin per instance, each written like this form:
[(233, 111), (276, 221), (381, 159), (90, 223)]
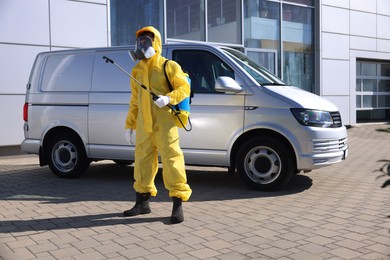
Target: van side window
[(68, 72), (203, 68), (107, 77)]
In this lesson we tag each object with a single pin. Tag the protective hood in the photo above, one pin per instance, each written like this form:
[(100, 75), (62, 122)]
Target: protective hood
[(157, 45), (142, 111)]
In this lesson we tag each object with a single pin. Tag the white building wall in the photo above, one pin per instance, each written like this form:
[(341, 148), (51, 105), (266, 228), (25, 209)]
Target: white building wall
[(350, 30), (28, 27)]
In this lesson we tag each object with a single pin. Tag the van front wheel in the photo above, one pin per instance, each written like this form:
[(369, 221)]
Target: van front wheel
[(264, 164), (66, 156)]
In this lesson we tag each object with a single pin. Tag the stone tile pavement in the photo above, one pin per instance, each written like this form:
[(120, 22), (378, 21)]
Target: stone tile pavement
[(338, 212)]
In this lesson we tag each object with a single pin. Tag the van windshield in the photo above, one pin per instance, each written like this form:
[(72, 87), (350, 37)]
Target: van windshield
[(258, 72)]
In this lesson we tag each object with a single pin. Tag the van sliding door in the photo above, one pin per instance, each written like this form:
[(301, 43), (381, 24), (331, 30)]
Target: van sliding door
[(108, 106)]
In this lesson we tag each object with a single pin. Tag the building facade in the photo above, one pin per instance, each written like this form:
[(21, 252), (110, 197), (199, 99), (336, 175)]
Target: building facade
[(338, 49)]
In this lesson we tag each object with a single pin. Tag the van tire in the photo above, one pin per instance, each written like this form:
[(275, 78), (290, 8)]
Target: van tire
[(66, 156), (264, 164)]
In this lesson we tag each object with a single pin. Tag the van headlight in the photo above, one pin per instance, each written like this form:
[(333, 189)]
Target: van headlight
[(310, 117)]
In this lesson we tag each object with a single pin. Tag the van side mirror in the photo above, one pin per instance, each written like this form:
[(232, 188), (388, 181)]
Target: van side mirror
[(227, 85)]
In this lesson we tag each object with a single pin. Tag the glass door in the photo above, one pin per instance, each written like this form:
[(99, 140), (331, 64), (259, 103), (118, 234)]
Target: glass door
[(372, 90), (266, 58)]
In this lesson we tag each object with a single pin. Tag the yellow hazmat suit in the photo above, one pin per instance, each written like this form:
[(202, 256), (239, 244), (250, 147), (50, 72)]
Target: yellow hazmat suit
[(155, 127)]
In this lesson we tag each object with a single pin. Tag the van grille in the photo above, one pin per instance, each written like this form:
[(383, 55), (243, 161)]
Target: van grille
[(336, 119), (329, 145)]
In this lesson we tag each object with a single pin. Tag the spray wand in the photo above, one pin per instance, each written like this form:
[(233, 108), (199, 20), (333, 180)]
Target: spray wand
[(154, 96), (108, 60)]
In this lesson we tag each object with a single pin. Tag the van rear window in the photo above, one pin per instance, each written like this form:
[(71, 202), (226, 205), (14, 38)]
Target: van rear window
[(67, 72)]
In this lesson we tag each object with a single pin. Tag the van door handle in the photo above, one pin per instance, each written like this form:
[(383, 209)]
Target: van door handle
[(250, 108)]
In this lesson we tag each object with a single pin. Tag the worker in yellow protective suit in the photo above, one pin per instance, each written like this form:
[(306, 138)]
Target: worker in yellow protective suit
[(155, 125)]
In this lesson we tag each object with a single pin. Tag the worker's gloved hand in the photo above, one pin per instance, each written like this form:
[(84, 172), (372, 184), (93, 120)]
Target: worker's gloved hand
[(129, 136), (162, 101)]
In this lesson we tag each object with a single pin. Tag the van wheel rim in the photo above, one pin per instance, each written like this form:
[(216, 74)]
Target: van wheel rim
[(64, 156), (262, 165)]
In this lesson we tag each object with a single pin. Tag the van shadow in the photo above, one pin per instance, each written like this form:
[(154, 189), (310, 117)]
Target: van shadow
[(110, 182)]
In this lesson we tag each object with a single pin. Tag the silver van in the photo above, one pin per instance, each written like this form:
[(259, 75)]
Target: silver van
[(243, 117)]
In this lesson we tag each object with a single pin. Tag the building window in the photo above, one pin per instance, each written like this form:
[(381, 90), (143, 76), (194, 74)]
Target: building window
[(372, 90), (186, 20), (224, 21), (265, 58), (282, 30), (262, 24), (128, 16), (265, 15), (298, 46), (286, 27), (304, 2)]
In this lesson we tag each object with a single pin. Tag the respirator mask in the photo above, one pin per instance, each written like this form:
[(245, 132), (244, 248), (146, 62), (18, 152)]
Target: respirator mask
[(143, 48)]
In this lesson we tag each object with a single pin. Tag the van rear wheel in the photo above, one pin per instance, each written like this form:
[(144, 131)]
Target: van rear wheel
[(264, 164), (66, 156)]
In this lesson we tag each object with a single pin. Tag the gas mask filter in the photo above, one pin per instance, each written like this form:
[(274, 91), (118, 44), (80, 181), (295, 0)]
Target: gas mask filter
[(143, 48)]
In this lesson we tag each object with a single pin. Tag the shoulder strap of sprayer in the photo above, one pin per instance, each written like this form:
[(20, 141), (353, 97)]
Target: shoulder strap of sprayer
[(177, 112), (169, 84)]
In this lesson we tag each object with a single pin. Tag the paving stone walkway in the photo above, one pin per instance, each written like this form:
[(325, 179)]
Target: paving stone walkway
[(338, 212)]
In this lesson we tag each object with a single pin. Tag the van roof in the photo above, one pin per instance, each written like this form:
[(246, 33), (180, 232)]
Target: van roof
[(130, 47)]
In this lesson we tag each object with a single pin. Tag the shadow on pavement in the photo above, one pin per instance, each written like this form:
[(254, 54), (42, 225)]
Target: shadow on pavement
[(86, 221), (110, 182)]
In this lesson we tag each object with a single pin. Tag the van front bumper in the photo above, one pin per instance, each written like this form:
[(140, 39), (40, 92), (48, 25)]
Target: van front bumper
[(318, 160)]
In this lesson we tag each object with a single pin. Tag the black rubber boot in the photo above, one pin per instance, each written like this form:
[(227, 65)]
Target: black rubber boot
[(141, 205), (177, 211)]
